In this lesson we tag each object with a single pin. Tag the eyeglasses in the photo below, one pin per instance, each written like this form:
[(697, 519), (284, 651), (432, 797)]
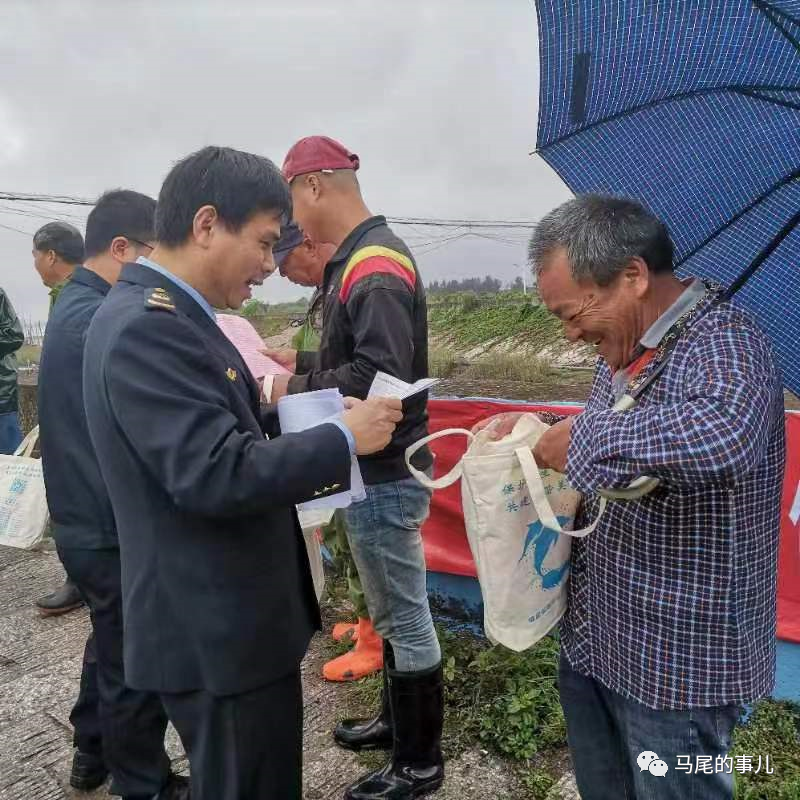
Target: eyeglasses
[(149, 246)]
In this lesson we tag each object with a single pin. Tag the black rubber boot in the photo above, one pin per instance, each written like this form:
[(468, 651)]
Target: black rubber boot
[(88, 771), (416, 767), (375, 733)]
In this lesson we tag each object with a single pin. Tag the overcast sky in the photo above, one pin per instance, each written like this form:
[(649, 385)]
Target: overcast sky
[(437, 97)]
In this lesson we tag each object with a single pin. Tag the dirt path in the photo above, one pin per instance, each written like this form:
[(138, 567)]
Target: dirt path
[(40, 662)]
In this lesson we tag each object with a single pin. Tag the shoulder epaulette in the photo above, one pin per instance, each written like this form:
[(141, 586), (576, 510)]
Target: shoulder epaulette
[(158, 298)]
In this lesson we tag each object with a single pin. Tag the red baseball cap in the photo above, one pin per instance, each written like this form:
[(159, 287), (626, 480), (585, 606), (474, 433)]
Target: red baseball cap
[(317, 154)]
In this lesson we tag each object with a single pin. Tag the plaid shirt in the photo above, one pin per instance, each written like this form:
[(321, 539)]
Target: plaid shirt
[(672, 599)]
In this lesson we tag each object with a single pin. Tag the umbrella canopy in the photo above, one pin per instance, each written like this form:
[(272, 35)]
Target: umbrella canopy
[(693, 109)]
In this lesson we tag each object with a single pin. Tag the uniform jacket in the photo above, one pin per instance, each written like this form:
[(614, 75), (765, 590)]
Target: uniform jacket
[(217, 592), (76, 494)]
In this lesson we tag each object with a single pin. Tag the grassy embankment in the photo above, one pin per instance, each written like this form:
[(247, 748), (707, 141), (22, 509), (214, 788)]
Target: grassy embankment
[(507, 703)]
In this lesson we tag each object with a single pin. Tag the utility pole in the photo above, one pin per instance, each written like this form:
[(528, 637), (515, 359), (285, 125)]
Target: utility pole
[(521, 268)]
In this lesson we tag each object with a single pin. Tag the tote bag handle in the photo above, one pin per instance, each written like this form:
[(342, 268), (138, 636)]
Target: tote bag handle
[(28, 444), (539, 497), (451, 477)]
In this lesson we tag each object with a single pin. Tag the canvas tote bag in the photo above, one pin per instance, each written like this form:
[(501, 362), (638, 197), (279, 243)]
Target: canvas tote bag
[(23, 503), (519, 525)]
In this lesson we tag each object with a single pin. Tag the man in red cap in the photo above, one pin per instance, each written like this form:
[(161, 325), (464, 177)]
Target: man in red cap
[(375, 318)]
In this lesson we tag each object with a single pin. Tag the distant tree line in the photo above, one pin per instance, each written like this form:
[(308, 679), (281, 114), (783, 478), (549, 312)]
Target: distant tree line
[(486, 284), (258, 308)]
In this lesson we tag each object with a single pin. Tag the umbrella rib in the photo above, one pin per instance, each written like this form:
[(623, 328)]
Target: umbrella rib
[(765, 5), (785, 181), (756, 263), (771, 12), (674, 97), (766, 99)]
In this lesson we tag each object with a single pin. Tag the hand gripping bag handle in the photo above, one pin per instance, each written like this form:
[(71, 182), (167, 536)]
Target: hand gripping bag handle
[(539, 497), (504, 445), (451, 477)]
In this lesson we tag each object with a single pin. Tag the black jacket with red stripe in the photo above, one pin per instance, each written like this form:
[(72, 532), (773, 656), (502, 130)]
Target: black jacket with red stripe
[(374, 318)]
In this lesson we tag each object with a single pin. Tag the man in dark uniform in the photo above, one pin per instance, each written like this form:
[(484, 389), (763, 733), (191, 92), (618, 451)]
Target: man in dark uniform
[(57, 251), (124, 733), (218, 598)]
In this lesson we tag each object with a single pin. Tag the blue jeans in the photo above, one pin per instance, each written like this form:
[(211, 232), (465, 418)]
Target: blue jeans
[(10, 433), (613, 741), (384, 535)]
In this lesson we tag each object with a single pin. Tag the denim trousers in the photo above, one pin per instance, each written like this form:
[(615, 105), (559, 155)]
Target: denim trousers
[(10, 433), (614, 743), (385, 540)]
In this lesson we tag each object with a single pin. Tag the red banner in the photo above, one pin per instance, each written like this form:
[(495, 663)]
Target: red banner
[(446, 547)]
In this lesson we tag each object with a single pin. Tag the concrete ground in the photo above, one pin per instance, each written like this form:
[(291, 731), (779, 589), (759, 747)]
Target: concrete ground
[(40, 662)]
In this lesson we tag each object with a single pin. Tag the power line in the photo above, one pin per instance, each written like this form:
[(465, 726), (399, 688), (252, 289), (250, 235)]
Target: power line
[(501, 231), (463, 223), (16, 230), (46, 198), (428, 221), (24, 212)]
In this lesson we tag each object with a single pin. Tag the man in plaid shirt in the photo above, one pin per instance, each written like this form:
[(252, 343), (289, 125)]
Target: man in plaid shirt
[(671, 621)]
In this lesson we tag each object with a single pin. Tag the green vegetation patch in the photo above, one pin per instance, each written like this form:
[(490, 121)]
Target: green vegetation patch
[(771, 730), (472, 319), (506, 367)]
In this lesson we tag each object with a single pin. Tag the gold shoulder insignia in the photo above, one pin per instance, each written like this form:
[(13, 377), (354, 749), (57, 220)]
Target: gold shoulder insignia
[(158, 298), (231, 373)]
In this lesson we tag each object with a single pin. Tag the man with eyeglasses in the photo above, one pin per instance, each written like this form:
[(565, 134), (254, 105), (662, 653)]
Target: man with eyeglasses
[(117, 729)]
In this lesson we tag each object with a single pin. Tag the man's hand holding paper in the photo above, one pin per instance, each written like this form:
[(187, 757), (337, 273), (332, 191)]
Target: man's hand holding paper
[(372, 422)]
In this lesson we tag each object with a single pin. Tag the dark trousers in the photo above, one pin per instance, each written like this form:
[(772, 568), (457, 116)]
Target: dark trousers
[(130, 723), (244, 746), (623, 750), (85, 715)]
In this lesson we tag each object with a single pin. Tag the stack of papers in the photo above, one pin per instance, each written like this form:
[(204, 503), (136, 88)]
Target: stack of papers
[(246, 340), (298, 412)]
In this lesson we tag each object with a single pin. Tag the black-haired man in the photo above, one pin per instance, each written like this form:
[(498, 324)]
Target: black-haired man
[(218, 598), (57, 251), (122, 731)]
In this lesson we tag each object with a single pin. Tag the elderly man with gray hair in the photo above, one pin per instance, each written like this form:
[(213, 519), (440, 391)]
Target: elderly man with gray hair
[(670, 627)]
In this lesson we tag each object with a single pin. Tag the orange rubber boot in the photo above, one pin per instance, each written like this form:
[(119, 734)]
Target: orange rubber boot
[(364, 659), (345, 630)]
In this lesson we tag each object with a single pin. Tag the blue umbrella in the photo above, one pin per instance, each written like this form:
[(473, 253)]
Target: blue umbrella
[(693, 108)]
